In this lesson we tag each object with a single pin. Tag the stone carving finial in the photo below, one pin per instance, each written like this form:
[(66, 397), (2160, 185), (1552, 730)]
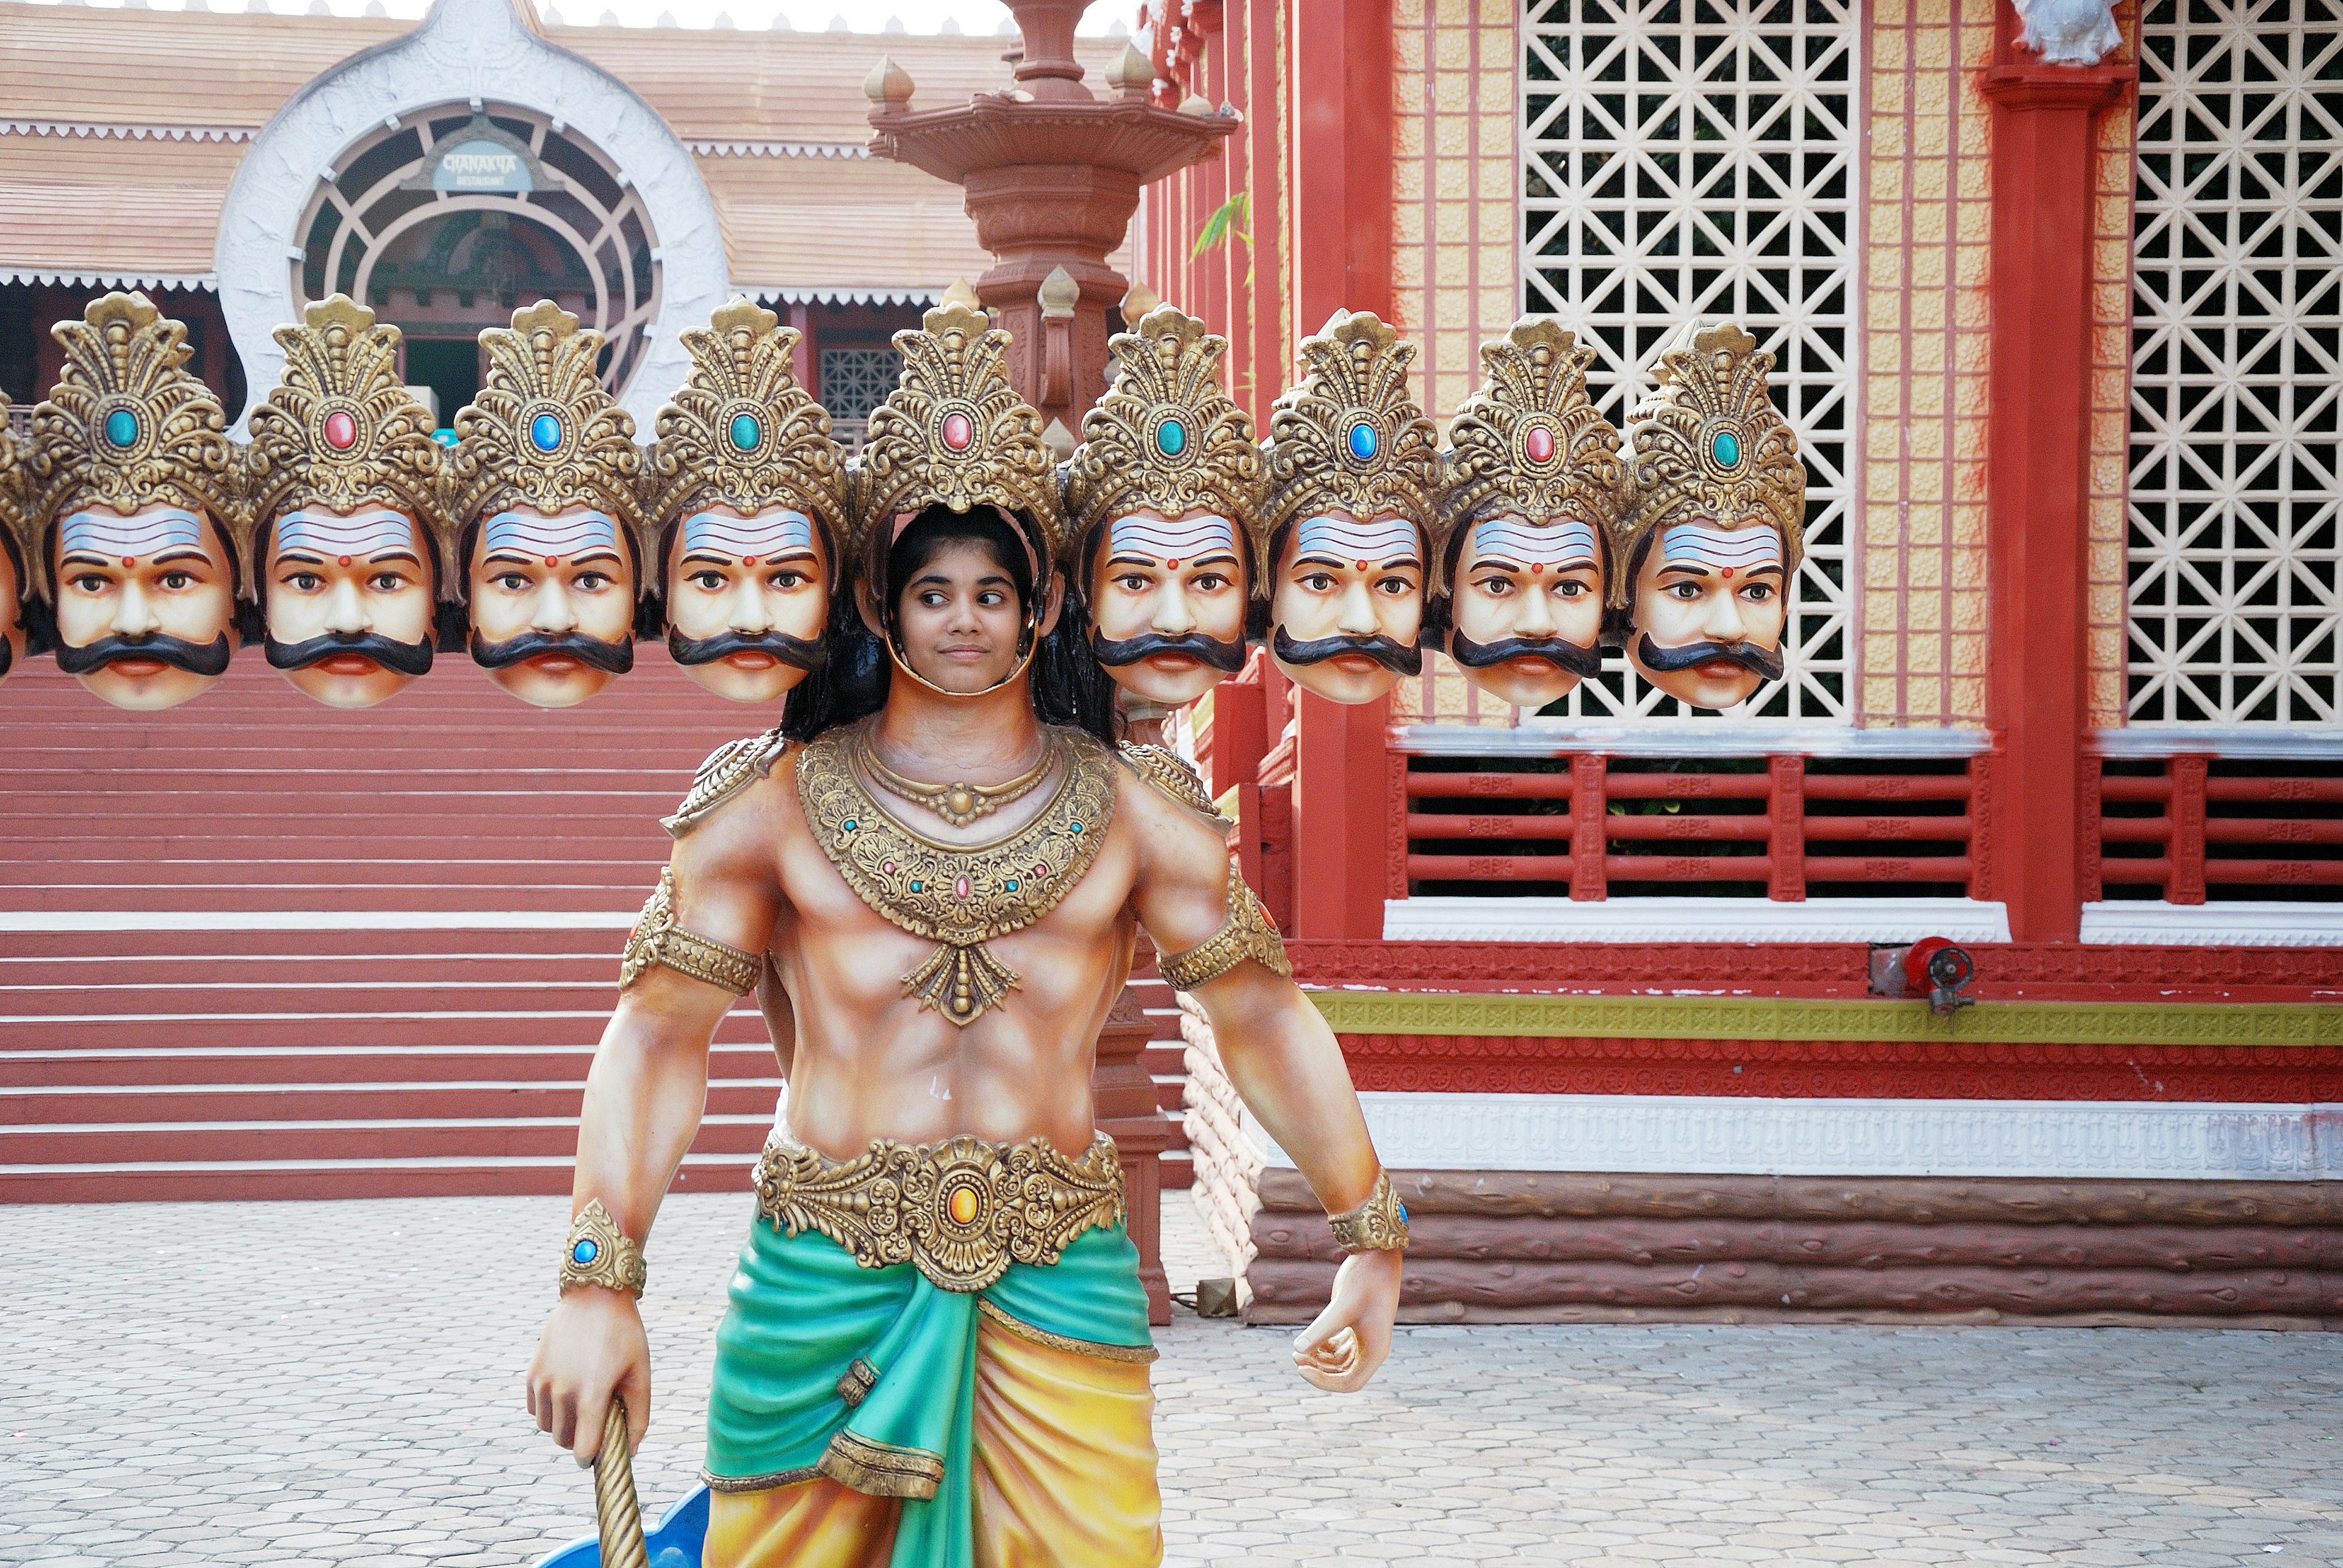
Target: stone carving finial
[(2069, 31)]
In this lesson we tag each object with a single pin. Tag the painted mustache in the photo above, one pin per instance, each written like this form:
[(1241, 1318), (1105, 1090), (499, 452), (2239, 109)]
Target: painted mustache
[(1763, 661), (797, 652), (1406, 658), (611, 658), (1583, 662), (206, 658), (399, 657), (1228, 657)]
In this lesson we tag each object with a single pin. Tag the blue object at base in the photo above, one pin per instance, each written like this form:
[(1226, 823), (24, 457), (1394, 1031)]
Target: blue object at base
[(678, 1543)]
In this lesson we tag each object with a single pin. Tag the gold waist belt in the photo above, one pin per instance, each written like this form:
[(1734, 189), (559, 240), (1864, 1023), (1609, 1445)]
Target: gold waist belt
[(961, 1211)]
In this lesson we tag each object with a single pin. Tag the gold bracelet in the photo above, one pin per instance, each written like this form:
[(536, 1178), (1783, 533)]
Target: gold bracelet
[(1377, 1225), (657, 939), (1247, 933), (599, 1253)]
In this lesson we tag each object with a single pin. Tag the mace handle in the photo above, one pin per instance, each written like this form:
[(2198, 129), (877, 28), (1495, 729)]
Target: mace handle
[(616, 1509)]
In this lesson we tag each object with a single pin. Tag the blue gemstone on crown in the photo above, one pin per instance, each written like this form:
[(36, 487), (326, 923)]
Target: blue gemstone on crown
[(585, 1251), (545, 433), (1363, 441), (1010, 885), (745, 432), (122, 427), (1170, 437), (1727, 449)]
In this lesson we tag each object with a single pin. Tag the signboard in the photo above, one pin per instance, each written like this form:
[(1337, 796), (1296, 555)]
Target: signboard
[(482, 165)]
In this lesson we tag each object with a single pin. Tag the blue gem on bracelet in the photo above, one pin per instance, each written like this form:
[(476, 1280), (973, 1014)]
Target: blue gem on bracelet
[(585, 1251)]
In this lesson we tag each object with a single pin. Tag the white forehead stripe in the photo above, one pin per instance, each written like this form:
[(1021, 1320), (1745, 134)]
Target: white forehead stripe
[(1189, 539), (526, 533), (1341, 539), (1737, 549), (366, 534), (112, 534), (772, 534), (1563, 545)]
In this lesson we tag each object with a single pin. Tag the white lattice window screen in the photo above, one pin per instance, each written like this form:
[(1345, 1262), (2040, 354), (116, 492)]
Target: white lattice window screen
[(854, 381), (1696, 159), (2236, 303)]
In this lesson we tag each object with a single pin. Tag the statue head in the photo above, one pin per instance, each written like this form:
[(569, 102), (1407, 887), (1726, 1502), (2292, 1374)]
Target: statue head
[(15, 576), (1534, 485), (348, 523), (1346, 530), (546, 472), (749, 493), (1165, 491), (954, 438), (1712, 539), (136, 490)]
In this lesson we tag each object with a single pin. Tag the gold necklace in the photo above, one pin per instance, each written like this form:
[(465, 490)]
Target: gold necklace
[(958, 803)]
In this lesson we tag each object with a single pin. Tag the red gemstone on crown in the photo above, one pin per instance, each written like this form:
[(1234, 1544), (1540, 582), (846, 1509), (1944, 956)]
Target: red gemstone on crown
[(958, 432), (1539, 444), (341, 431)]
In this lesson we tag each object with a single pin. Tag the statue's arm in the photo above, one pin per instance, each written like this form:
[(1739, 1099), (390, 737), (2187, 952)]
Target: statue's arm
[(1285, 1064), (645, 1095)]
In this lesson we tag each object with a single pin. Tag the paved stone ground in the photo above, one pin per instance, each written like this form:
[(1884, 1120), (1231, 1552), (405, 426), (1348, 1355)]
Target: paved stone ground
[(339, 1383)]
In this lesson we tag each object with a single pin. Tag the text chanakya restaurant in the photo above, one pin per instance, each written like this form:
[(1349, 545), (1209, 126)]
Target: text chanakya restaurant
[(1630, 988)]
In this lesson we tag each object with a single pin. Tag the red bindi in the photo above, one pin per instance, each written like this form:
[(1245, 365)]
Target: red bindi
[(748, 560), (346, 560), (1173, 563), (130, 561), (1362, 566), (1726, 571), (1536, 567), (553, 560)]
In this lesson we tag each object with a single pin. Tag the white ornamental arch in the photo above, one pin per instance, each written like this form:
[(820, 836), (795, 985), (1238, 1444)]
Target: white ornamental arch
[(465, 51)]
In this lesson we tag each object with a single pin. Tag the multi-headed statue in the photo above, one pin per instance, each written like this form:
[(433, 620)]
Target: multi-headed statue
[(546, 470), (936, 1352), (347, 520), (1710, 544), (136, 496), (1353, 487), (746, 501), (1533, 491), (1165, 491)]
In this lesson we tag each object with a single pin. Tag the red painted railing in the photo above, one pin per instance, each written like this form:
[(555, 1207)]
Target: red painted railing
[(2193, 828)]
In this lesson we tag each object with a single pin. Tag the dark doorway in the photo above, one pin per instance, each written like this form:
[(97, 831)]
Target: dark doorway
[(450, 366)]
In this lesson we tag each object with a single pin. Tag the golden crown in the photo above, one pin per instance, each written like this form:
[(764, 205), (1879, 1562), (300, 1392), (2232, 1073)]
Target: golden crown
[(1349, 437), (954, 433), (128, 426), (1706, 444), (1165, 435), (340, 429), (544, 432), (16, 507), (741, 432), (1530, 443)]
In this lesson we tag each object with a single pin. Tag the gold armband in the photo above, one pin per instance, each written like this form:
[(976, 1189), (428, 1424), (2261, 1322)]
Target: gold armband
[(657, 939), (1377, 1225), (1247, 933), (601, 1254)]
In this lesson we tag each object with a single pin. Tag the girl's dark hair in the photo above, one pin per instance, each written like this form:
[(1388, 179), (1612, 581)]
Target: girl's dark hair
[(1069, 687)]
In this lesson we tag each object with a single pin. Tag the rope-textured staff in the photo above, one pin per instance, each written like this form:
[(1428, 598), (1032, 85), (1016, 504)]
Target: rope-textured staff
[(614, 1508)]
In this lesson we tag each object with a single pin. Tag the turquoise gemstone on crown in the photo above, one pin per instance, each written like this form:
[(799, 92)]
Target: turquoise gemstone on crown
[(1170, 437), (1362, 441), (745, 432), (545, 433), (122, 427), (1727, 449)]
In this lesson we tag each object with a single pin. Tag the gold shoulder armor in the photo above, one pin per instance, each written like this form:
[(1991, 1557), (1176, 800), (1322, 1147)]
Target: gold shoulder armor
[(1174, 780), (657, 939), (729, 769), (1247, 933)]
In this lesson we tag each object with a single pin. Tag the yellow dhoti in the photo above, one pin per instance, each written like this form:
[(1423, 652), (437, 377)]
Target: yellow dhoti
[(1064, 1475)]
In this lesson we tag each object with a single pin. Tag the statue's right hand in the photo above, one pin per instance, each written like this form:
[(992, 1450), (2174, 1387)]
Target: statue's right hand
[(593, 1346)]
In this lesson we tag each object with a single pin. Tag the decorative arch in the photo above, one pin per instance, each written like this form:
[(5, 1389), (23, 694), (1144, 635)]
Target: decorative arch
[(646, 230)]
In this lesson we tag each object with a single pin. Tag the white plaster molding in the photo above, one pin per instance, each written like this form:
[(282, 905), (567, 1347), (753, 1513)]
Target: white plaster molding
[(1561, 737), (47, 921), (1693, 919), (91, 128), (1694, 1135), (2265, 742), (104, 277), (464, 49), (2069, 31), (2245, 923), (840, 293), (779, 149)]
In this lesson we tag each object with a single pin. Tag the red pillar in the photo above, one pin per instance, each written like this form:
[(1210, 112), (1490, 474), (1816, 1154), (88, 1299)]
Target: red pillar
[(2035, 471), (1342, 93)]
